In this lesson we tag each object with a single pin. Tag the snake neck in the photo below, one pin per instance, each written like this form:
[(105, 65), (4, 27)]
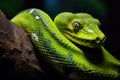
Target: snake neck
[(63, 42), (51, 33)]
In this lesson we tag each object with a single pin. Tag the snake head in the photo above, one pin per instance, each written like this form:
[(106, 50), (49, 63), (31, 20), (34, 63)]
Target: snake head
[(80, 28)]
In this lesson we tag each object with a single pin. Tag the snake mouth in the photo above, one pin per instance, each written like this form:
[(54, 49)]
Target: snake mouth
[(91, 43), (96, 42)]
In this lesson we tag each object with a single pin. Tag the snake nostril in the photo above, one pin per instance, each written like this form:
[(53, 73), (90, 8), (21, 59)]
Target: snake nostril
[(97, 39)]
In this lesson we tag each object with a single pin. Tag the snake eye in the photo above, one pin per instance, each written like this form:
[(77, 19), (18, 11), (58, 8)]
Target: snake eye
[(76, 26)]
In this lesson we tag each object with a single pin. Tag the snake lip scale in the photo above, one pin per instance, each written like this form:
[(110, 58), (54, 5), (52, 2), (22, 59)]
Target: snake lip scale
[(95, 42)]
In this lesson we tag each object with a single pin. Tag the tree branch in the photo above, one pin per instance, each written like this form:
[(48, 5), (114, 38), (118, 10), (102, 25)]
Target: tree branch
[(17, 55)]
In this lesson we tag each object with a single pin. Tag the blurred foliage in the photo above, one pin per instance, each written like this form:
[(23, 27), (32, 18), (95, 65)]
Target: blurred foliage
[(11, 7), (95, 7), (53, 7)]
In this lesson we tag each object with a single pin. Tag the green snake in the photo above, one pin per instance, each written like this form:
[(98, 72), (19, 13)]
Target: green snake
[(72, 40)]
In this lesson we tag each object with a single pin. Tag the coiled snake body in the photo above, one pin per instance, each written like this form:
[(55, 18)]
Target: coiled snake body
[(56, 41)]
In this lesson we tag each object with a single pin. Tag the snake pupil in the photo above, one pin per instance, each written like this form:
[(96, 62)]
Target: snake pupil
[(76, 26)]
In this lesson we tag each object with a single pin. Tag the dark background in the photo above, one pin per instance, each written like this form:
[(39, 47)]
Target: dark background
[(107, 11)]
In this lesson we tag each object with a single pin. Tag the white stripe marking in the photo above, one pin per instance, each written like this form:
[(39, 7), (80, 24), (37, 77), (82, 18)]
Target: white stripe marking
[(32, 10), (34, 36), (37, 17)]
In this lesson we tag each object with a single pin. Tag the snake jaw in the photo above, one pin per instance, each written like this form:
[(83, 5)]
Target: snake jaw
[(91, 43)]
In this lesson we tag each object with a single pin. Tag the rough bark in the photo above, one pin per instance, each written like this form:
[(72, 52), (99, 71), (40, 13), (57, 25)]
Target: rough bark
[(17, 55)]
